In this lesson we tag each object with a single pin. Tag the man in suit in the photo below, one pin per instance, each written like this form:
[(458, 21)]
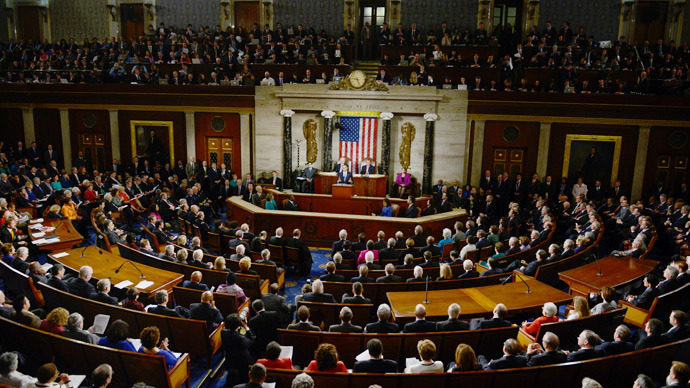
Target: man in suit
[(356, 297), (679, 374), (303, 321), (367, 168), (420, 325), (382, 325), (497, 320), (57, 272), (74, 329), (161, 308), (412, 211), (317, 294), (338, 245), (308, 175), (493, 270), (547, 353), (390, 277), (530, 269), (389, 253), (206, 311), (510, 358), (679, 326), (291, 204), (376, 363), (195, 282), (330, 275), (50, 155), (80, 286), (453, 323), (274, 302), (488, 182), (257, 376), (34, 155), (345, 177), (430, 247), (345, 326), (428, 263), (470, 272), (265, 325), (620, 344), (304, 253), (362, 278), (645, 299), (652, 335), (191, 167), (669, 283), (586, 341), (103, 287)]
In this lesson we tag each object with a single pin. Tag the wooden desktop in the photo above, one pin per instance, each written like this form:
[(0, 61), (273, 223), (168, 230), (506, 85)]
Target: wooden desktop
[(477, 302), (105, 263), (67, 234), (374, 185), (616, 272)]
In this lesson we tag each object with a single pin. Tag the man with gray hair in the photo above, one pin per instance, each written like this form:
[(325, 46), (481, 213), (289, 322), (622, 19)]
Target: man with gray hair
[(510, 358), (103, 287), (390, 277), (169, 253), (590, 383), (389, 254), (643, 381), (102, 376), (345, 326), (420, 325), (302, 380), (468, 266), (317, 294), (369, 261), (547, 353), (80, 286), (9, 376), (418, 273), (453, 323), (338, 245), (382, 325), (74, 329), (621, 342), (161, 307), (338, 260)]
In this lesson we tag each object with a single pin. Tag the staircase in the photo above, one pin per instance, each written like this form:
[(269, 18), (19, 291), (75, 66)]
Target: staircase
[(370, 68)]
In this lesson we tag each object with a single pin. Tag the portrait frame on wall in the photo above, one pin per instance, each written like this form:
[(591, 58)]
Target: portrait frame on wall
[(578, 148), (163, 144)]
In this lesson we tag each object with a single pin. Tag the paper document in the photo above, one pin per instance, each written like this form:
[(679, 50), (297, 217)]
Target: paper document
[(35, 226), (213, 288), (123, 284), (47, 266), (285, 352), (37, 220), (42, 241), (136, 342), (268, 385), (61, 254), (363, 356), (76, 380), (411, 361), (144, 284), (38, 235), (100, 323)]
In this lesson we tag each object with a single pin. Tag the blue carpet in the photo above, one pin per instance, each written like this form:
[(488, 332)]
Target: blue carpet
[(294, 282)]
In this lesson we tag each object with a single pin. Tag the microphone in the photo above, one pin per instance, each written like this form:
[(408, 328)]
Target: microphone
[(134, 265), (82, 251), (516, 273), (426, 295), (596, 260)]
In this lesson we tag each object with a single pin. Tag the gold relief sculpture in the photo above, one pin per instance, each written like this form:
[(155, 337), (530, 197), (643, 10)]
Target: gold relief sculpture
[(309, 130), (358, 80), (408, 132)]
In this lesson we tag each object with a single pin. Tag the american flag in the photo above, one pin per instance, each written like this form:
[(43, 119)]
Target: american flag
[(358, 139)]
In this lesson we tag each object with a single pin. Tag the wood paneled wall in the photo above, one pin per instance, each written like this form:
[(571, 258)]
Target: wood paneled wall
[(528, 139), (669, 151), (204, 130), (78, 125)]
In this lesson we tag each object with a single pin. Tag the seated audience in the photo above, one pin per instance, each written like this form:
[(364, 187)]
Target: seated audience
[(510, 358), (326, 360), (420, 325), (547, 353), (427, 351), (465, 360), (116, 337), (345, 326), (303, 321), (272, 361), (376, 363), (151, 343)]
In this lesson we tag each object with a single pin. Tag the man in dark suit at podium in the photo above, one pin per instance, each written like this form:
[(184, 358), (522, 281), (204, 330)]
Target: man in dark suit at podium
[(367, 168), (345, 176)]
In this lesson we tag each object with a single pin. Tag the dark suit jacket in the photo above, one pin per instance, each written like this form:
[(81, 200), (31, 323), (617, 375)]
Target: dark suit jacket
[(163, 310), (419, 326), (332, 277), (411, 211), (389, 279), (205, 312), (469, 274), (345, 328), (265, 325), (667, 285), (304, 326), (612, 348), (362, 279), (583, 354), (492, 271), (292, 206), (376, 365), (389, 254), (58, 283), (277, 303), (493, 323), (645, 299), (382, 327), (355, 300), (677, 333), (320, 298), (104, 298), (194, 286), (81, 288), (505, 362), (546, 358), (452, 324)]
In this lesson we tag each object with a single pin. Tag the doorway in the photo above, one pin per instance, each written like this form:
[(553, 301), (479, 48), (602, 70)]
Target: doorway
[(246, 14), (650, 21), (219, 151), (374, 13), (132, 18), (93, 147), (29, 21), (508, 12), (511, 160)]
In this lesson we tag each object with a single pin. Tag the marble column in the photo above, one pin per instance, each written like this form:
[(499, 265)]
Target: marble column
[(287, 146), (543, 151), (66, 140), (428, 151), (477, 150), (640, 162), (29, 129), (327, 139), (115, 135), (190, 135), (384, 166)]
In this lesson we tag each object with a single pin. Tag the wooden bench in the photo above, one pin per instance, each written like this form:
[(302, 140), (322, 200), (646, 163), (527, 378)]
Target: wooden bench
[(226, 303), (678, 299), (185, 335), (377, 291), (155, 244), (396, 346), (617, 371), (326, 314), (76, 357), (603, 324)]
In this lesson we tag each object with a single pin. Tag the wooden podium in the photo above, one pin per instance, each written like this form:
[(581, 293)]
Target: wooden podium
[(342, 191)]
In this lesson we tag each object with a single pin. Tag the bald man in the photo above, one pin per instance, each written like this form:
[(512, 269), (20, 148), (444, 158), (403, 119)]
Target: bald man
[(195, 282), (206, 311)]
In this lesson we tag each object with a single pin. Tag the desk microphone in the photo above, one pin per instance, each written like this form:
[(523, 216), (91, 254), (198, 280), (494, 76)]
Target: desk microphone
[(516, 273), (596, 260), (134, 265), (426, 295)]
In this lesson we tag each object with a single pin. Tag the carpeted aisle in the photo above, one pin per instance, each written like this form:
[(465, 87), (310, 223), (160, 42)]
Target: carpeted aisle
[(294, 283)]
